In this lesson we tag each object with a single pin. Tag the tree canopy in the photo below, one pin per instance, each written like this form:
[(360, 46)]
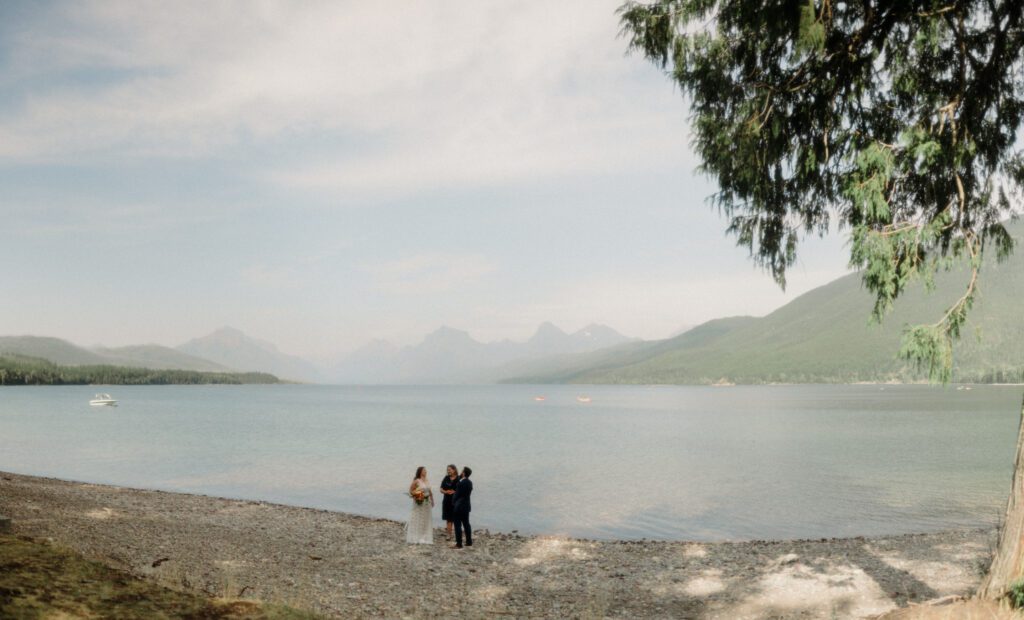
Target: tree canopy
[(899, 120)]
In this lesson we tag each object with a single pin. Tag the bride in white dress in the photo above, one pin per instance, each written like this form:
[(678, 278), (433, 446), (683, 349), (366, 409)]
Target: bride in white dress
[(420, 529)]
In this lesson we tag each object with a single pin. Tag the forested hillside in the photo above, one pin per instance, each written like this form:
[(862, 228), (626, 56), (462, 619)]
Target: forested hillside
[(22, 370), (823, 336)]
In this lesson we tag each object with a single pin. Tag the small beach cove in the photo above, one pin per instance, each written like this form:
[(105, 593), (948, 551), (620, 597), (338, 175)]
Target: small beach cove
[(342, 565)]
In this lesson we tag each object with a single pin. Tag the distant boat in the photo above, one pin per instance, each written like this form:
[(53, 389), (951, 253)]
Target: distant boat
[(103, 400), (539, 399), (583, 399)]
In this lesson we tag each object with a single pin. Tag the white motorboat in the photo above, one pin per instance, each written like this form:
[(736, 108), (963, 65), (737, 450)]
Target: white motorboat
[(103, 400)]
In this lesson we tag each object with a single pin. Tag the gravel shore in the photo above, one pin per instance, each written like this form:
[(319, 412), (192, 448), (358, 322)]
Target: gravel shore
[(348, 566)]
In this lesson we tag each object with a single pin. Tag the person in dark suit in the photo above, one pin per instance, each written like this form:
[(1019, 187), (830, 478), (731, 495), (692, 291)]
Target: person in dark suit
[(462, 506)]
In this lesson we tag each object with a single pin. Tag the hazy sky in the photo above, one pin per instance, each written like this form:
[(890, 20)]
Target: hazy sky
[(319, 174)]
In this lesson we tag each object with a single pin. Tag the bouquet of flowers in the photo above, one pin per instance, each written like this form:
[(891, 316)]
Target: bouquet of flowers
[(420, 495)]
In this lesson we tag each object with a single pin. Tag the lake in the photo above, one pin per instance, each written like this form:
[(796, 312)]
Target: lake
[(694, 463)]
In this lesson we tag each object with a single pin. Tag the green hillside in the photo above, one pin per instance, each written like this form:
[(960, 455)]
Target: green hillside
[(160, 357), (822, 336), (569, 368), (23, 370), (64, 353), (53, 349)]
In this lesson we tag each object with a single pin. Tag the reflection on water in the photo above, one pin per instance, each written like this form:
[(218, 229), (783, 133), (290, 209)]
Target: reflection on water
[(693, 463)]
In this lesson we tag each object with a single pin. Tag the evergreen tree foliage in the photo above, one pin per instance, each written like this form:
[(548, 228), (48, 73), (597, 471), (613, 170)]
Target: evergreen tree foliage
[(900, 121), (24, 370)]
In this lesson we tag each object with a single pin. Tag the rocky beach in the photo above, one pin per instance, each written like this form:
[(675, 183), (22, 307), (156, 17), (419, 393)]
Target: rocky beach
[(347, 566)]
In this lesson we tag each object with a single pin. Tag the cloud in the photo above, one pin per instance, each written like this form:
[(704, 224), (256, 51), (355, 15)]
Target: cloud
[(436, 95), (194, 132), (426, 274), (107, 221), (263, 276), (295, 272)]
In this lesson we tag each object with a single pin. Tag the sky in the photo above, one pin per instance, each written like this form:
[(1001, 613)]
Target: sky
[(322, 174)]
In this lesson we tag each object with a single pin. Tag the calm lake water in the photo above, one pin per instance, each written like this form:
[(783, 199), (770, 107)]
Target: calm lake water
[(694, 463)]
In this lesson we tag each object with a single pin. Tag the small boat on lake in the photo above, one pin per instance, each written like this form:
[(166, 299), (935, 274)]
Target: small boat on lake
[(103, 400), (583, 399), (539, 399)]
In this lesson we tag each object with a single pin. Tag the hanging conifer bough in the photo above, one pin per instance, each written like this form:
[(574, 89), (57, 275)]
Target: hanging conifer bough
[(899, 119)]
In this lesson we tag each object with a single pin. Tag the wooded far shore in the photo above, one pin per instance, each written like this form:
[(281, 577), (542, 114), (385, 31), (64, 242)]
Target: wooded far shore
[(23, 370)]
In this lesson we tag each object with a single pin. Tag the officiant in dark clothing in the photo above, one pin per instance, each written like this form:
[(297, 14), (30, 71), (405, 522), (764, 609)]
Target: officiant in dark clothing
[(448, 484), (461, 505)]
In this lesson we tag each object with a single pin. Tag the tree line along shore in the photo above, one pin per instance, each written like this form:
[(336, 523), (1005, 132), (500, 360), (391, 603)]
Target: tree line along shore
[(23, 370)]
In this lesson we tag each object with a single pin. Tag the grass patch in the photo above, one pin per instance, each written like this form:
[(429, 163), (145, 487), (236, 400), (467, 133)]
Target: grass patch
[(1016, 595), (39, 580)]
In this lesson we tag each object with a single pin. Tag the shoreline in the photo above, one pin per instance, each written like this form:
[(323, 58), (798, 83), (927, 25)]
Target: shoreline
[(344, 565), (488, 530)]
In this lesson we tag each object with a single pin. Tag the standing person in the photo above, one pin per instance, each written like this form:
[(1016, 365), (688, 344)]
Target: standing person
[(419, 529), (460, 502), (447, 503)]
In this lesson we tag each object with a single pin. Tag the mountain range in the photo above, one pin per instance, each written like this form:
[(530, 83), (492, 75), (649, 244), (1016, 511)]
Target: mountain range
[(450, 355), (225, 350), (233, 349), (823, 336), (446, 355), (64, 353)]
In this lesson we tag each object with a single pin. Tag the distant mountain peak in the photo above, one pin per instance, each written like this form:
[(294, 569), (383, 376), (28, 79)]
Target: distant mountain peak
[(446, 329), (446, 334), (233, 337), (596, 336), (547, 331), (226, 333), (597, 330), (449, 355), (231, 347)]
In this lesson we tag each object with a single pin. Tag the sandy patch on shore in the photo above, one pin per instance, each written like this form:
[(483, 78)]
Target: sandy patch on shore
[(349, 567)]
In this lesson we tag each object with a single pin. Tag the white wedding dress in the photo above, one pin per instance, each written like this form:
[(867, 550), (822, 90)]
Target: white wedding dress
[(420, 529)]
